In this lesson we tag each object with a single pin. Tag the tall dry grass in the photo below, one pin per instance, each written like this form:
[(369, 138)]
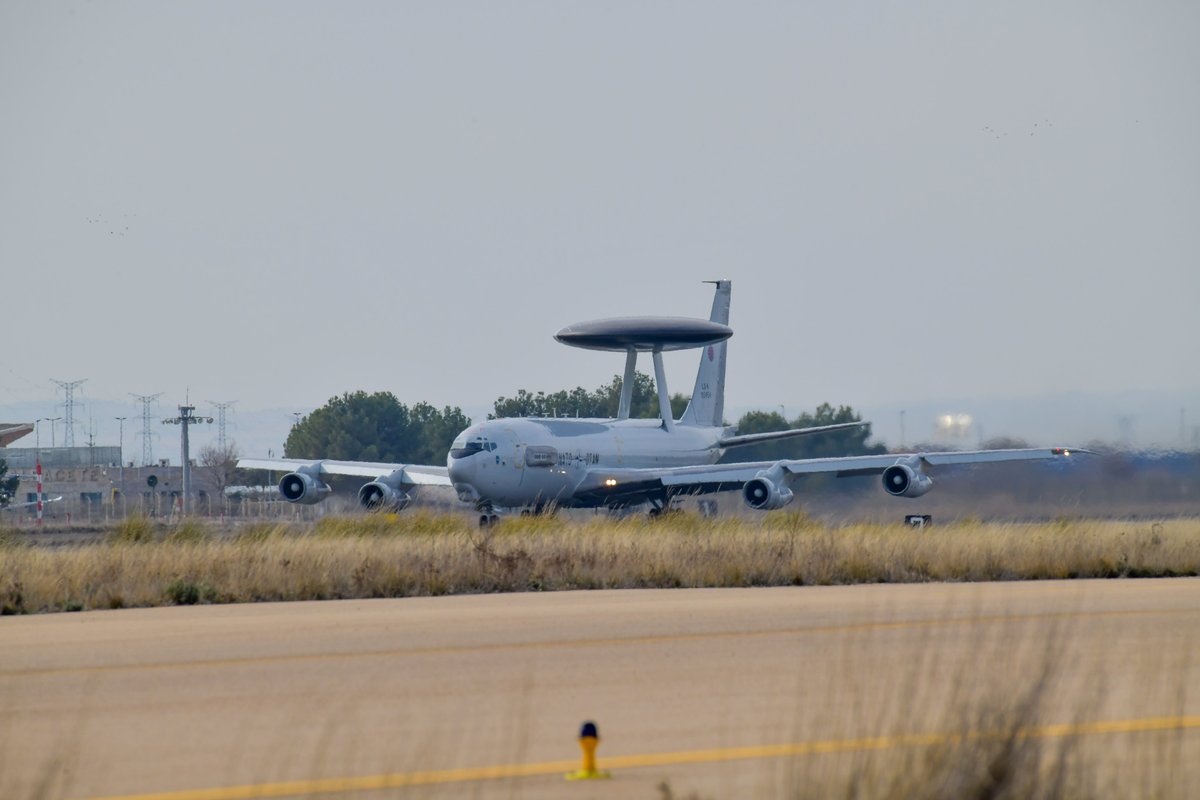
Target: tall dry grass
[(142, 563)]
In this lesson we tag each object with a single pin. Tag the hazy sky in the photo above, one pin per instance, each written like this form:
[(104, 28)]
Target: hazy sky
[(280, 202)]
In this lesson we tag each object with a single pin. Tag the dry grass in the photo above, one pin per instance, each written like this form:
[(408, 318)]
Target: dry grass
[(143, 564)]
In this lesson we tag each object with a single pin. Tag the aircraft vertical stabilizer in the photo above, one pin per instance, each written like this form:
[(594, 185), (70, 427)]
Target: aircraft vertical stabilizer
[(707, 407)]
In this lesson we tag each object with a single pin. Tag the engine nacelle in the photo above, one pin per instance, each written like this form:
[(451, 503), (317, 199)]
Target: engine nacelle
[(902, 480), (764, 494), (301, 487), (378, 494)]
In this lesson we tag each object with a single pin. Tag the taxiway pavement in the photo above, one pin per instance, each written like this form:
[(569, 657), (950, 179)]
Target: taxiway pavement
[(483, 696)]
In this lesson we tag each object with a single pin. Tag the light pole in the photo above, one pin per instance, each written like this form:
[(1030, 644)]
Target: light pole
[(52, 420), (186, 417), (121, 447)]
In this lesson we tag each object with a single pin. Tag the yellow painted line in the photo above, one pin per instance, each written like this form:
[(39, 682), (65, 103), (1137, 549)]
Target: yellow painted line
[(35, 672), (427, 778)]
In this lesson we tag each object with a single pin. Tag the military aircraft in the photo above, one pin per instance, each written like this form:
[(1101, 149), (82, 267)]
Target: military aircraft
[(538, 463)]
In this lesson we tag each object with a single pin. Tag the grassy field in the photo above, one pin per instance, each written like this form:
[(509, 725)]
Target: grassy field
[(141, 563)]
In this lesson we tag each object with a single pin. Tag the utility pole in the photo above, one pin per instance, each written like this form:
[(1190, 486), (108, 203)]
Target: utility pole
[(69, 388), (52, 420), (186, 417), (121, 447)]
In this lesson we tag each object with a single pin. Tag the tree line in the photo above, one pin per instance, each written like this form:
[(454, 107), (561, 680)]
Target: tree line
[(358, 426), (602, 402)]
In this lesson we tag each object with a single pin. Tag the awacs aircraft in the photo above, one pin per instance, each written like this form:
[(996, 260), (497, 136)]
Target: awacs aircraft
[(532, 464)]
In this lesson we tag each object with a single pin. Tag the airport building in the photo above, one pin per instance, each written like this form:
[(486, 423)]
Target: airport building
[(94, 486)]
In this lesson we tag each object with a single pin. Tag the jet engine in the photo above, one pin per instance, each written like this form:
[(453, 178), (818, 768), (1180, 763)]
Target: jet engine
[(303, 486), (766, 492), (905, 480), (385, 492)]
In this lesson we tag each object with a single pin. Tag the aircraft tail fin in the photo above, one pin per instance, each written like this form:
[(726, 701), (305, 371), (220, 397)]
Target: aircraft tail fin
[(707, 406)]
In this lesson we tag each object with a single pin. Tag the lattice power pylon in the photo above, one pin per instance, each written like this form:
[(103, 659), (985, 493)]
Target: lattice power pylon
[(221, 408), (69, 388), (147, 433)]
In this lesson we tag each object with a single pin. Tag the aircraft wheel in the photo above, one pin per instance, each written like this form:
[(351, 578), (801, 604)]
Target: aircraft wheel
[(485, 520)]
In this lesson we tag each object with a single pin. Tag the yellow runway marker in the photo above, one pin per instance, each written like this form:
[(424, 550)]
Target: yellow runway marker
[(589, 737), (333, 786)]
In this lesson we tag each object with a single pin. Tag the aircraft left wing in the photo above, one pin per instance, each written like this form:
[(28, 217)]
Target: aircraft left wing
[(773, 436), (304, 482), (763, 482)]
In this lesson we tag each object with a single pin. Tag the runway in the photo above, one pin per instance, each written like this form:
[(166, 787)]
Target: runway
[(724, 692)]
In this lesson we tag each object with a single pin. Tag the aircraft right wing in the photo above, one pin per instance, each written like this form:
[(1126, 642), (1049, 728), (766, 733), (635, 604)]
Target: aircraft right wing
[(416, 473), (390, 485)]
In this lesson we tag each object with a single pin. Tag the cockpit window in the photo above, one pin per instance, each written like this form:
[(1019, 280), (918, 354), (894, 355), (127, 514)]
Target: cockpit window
[(462, 449)]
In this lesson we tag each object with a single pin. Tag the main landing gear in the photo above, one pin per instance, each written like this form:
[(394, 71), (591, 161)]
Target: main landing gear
[(660, 508), (487, 517)]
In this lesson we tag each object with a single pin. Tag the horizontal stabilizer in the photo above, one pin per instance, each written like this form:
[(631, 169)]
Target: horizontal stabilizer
[(771, 436)]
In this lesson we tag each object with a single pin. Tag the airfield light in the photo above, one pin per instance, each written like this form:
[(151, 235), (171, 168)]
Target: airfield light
[(589, 737)]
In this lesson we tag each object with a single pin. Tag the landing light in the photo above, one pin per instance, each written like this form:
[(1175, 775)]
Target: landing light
[(610, 482)]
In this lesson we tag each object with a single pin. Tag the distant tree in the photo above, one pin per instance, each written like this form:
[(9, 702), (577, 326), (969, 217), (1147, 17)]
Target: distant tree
[(819, 445), (679, 404), (221, 463), (605, 401), (376, 427), (8, 486)]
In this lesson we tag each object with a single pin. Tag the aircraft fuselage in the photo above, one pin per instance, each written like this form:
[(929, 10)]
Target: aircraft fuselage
[(531, 462)]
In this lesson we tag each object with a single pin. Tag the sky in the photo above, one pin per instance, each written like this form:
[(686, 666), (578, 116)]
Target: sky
[(921, 205)]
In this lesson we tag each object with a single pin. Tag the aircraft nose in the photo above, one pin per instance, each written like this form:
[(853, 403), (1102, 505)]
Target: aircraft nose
[(460, 469)]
